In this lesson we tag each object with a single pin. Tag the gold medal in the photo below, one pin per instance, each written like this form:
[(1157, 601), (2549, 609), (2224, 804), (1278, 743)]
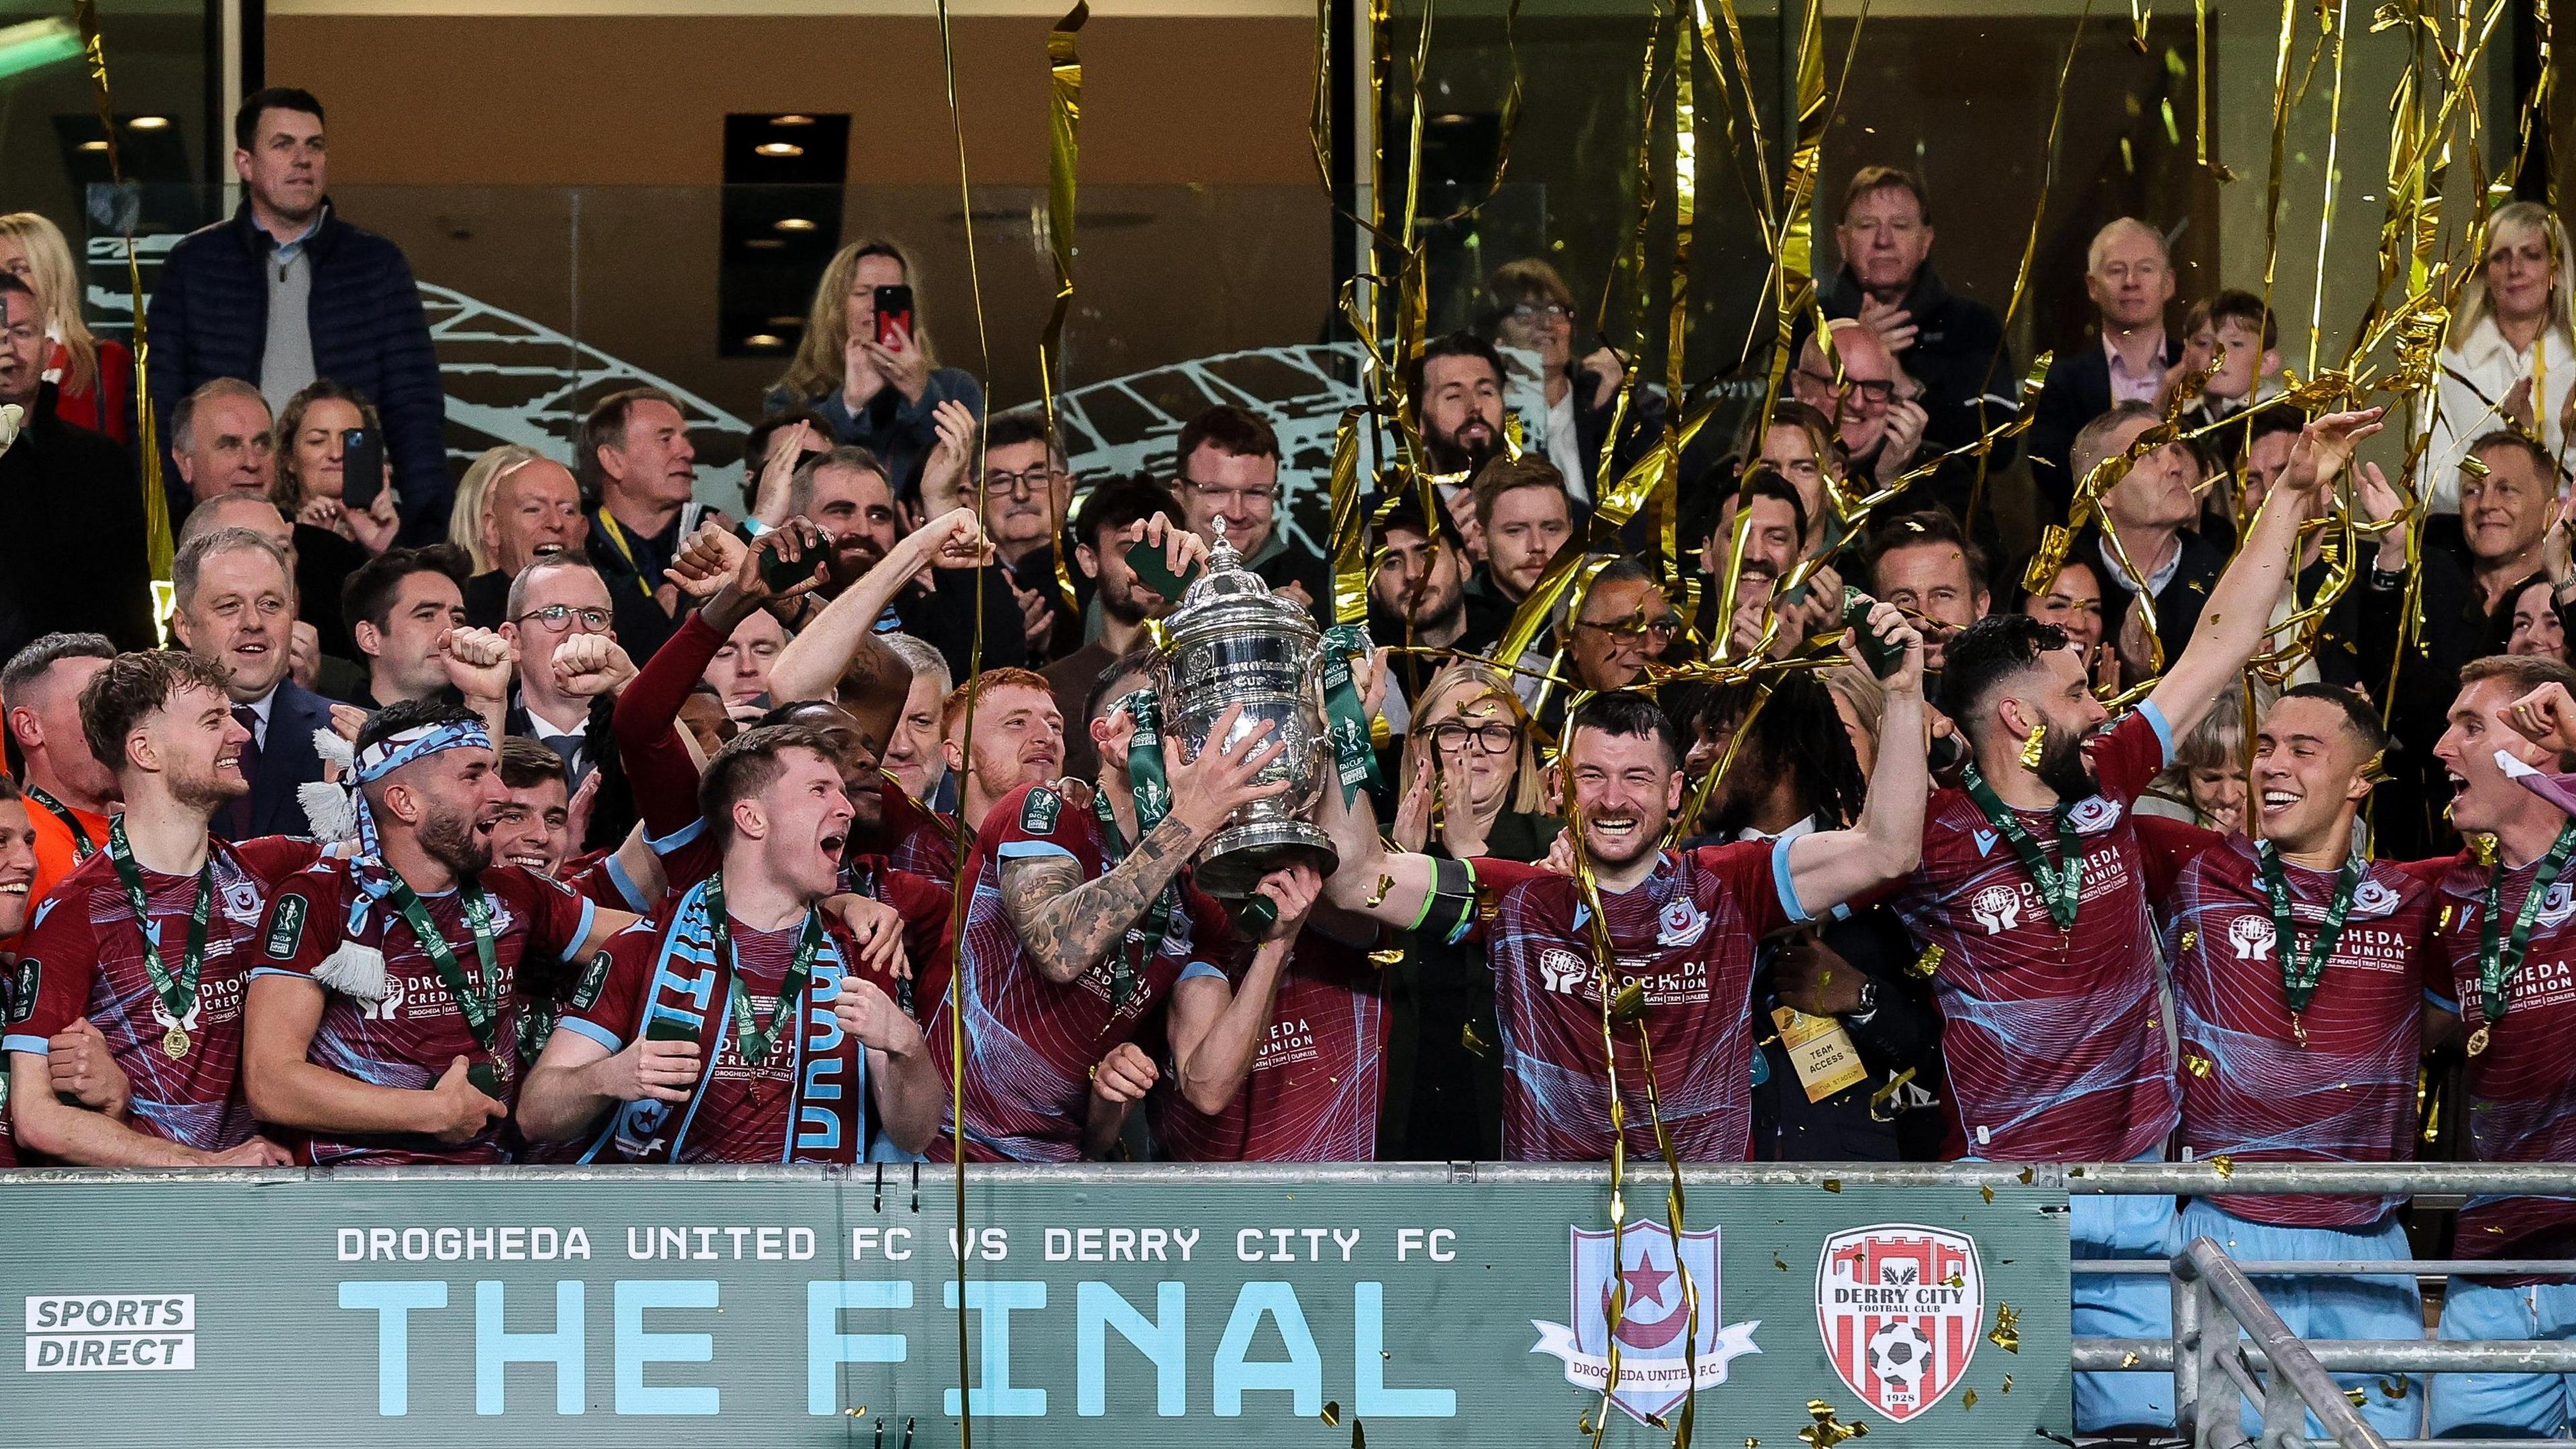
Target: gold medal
[(2478, 1042), (174, 1042), (2299, 1027)]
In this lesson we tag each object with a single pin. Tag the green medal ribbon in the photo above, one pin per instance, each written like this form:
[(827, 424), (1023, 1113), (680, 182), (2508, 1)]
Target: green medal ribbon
[(1153, 794), (2497, 965), (178, 993), (2058, 884), (2301, 973), (1344, 718), (755, 1041), (476, 1001), (82, 846)]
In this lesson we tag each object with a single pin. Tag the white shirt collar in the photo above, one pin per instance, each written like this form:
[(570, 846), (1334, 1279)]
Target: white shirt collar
[(1808, 826), (2157, 578)]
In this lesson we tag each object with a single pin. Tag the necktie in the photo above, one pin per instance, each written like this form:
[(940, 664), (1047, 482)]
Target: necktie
[(568, 747), (237, 814)]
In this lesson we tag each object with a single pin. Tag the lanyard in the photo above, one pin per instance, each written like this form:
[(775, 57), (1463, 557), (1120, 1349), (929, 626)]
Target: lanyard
[(617, 537), (2057, 884), (475, 1000), (178, 994), (2499, 964), (82, 845), (2300, 974), (756, 1041)]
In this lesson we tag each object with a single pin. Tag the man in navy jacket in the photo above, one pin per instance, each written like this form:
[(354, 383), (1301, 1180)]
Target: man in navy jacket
[(286, 292)]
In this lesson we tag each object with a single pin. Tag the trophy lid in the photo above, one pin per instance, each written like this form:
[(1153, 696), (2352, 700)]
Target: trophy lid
[(1229, 593)]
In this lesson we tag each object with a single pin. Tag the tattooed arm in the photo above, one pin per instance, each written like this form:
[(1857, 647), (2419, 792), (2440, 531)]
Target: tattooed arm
[(1070, 925)]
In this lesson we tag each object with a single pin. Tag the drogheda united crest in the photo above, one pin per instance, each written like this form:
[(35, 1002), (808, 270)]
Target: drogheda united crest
[(1660, 1360), (1900, 1307)]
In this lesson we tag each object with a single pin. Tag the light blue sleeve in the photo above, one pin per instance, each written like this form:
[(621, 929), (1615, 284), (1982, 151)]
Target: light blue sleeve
[(2163, 727), (599, 1034), (1788, 889)]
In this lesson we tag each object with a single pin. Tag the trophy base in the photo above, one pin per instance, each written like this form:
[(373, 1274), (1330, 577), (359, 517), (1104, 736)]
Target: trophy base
[(1238, 857)]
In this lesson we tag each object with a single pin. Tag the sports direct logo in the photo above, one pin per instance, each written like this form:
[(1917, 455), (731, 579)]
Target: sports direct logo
[(1900, 1307), (110, 1332)]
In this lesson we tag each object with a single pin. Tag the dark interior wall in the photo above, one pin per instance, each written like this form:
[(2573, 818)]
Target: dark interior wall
[(1204, 228)]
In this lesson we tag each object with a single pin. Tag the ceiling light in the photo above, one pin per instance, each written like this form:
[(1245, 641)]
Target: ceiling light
[(91, 146), (794, 223), (149, 123), (780, 149), (764, 339), (791, 120)]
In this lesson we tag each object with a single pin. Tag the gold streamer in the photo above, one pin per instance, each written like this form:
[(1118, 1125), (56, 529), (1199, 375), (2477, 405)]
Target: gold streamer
[(147, 431), (1064, 157)]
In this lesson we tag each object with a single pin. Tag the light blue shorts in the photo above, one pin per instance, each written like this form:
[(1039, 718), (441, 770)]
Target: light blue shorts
[(2122, 1305), (2505, 1406), (2331, 1307)]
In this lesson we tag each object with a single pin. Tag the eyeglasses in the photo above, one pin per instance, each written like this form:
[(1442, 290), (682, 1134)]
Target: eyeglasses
[(1528, 312), (1493, 739), (557, 617), (1246, 497), (1033, 481), (1631, 630), (1879, 392)]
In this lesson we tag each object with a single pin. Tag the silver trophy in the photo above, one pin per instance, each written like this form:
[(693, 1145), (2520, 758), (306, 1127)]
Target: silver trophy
[(1233, 642)]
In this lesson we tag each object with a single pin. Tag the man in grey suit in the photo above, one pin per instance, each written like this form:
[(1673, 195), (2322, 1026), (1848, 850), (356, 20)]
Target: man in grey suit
[(236, 606)]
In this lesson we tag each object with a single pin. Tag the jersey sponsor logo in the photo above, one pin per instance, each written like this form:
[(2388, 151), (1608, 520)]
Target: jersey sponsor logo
[(1997, 908), (1900, 1307), (1561, 971), (2093, 813), (20, 996), (585, 993), (2252, 938), (389, 1006), (1661, 1362), (286, 928), (111, 1332), (1681, 924)]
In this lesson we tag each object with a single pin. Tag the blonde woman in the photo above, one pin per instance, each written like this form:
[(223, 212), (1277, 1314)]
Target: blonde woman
[(94, 379), (1470, 748), (2510, 349), (309, 445), (878, 387)]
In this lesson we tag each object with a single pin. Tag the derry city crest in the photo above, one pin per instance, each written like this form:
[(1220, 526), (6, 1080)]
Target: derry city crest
[(1661, 1361)]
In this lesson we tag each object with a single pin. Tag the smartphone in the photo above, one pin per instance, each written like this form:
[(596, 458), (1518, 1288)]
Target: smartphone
[(894, 314), (1155, 572), (668, 1028), (782, 573), (362, 468)]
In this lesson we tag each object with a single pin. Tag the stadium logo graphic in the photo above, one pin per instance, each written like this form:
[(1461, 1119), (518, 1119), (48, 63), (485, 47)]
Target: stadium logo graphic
[(1900, 1307), (2253, 937), (1661, 1361)]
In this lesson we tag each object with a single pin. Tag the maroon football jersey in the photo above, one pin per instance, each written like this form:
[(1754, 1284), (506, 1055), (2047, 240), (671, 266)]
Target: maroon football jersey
[(2054, 1040), (408, 1039), (84, 957), (1313, 1095)]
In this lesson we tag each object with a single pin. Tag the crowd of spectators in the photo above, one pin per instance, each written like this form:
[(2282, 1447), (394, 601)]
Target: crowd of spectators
[(582, 712)]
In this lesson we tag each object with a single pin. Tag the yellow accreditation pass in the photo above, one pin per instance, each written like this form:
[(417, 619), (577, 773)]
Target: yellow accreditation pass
[(1820, 1050)]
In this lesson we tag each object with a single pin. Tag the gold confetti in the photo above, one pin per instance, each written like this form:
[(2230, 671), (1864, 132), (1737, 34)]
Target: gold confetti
[(857, 1413), (2224, 1164), (2199, 1066), (1777, 1263), (2188, 937), (2359, 1397), (1385, 883), (1968, 1400), (1332, 1413), (2129, 1359), (1630, 1004), (1989, 1192), (1955, 1280), (1929, 962), (2026, 1175), (1752, 1443), (2006, 1333), (1833, 1184), (2008, 1383), (1468, 1038), (1829, 1430), (2393, 1388)]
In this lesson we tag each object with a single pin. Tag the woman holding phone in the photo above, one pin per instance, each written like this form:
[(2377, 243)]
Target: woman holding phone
[(321, 481), (866, 366)]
